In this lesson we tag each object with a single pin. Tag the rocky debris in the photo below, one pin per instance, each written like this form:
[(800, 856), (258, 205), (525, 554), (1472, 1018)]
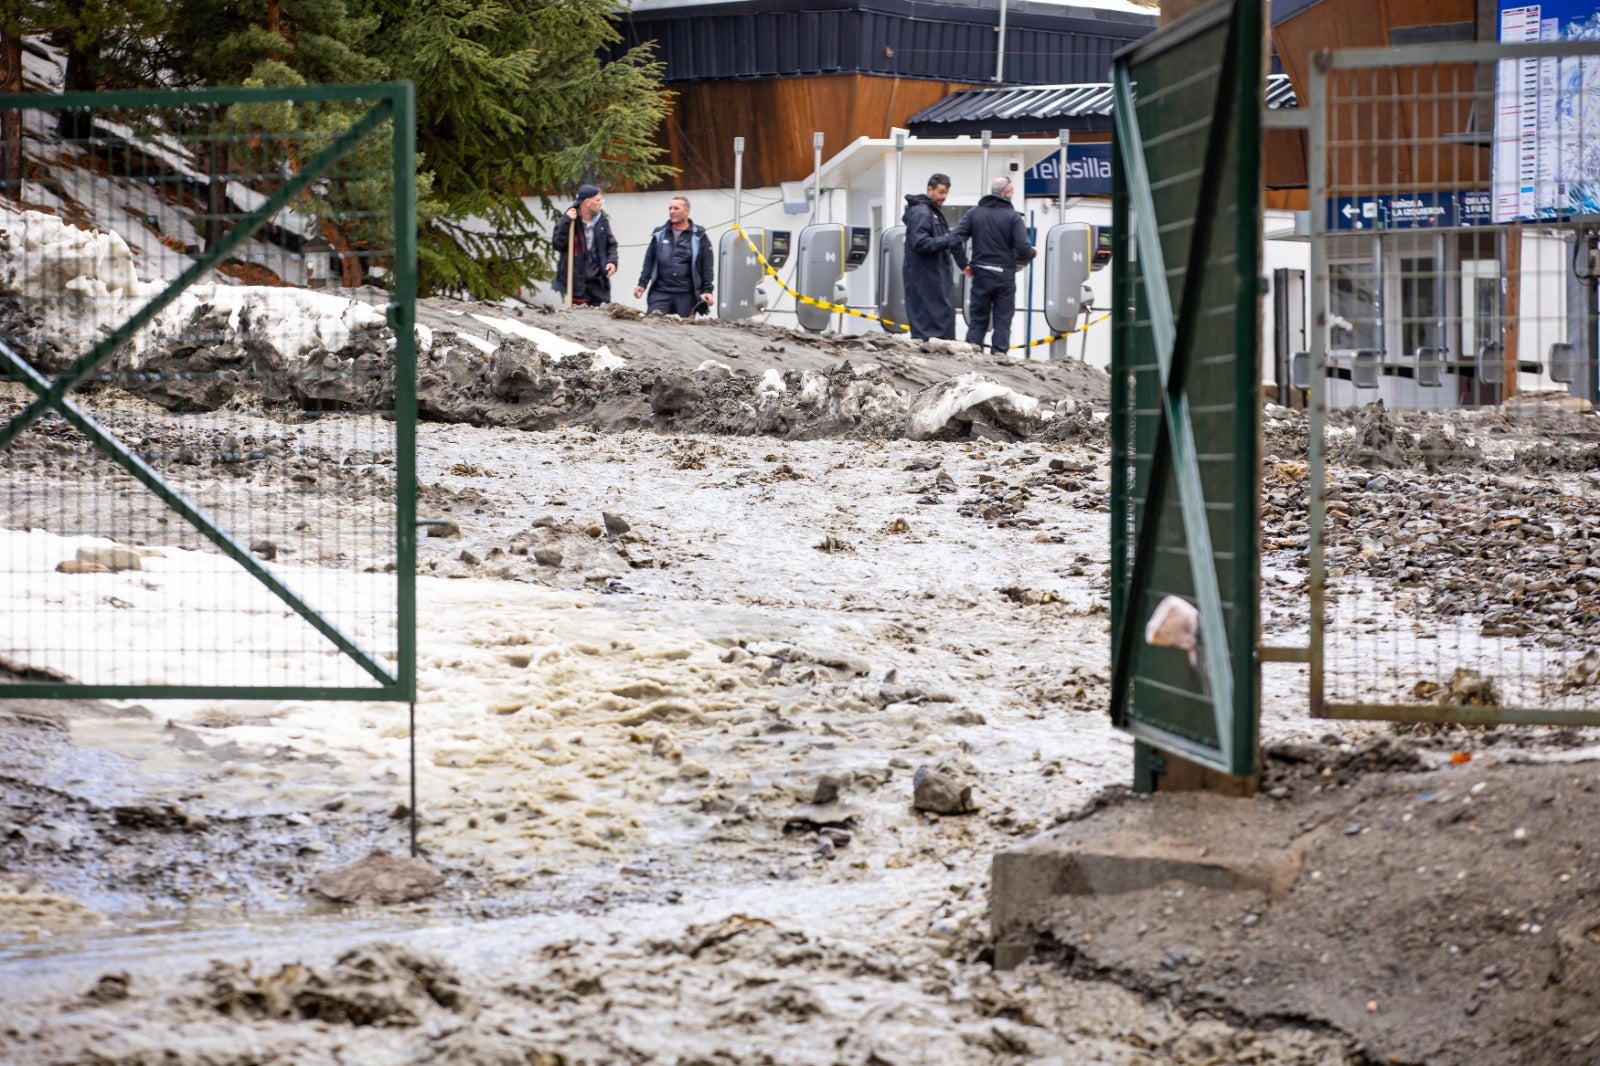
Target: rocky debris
[(379, 878), (942, 789), (1466, 688), (615, 525), (377, 984)]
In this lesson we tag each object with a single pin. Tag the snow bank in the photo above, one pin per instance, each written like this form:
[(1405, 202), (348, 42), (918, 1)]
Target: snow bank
[(78, 285)]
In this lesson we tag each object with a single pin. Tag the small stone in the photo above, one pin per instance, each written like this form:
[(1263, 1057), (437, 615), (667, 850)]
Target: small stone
[(78, 566), (840, 838), (547, 556), (827, 790), (469, 558), (615, 524), (444, 528), (264, 548), (939, 791)]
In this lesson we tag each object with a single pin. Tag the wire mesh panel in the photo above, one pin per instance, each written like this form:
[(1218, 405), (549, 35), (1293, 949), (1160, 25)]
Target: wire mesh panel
[(1456, 540), (207, 408)]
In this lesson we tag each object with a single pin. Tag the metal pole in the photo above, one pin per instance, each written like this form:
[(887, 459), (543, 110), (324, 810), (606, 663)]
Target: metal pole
[(1000, 47), (816, 175), (1061, 169), (738, 181), (899, 170), (983, 187)]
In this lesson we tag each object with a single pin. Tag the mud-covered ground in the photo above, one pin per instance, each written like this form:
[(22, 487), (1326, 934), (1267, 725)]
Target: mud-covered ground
[(668, 760)]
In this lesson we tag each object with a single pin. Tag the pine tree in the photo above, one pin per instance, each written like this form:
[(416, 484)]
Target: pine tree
[(513, 100), (265, 43), (19, 19)]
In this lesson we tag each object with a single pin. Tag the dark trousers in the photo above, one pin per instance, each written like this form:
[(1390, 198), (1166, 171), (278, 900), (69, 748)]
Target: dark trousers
[(590, 292), (994, 295), (681, 304)]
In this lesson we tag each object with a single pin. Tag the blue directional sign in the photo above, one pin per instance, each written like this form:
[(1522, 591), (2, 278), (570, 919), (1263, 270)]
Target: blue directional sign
[(1088, 172), (1418, 210)]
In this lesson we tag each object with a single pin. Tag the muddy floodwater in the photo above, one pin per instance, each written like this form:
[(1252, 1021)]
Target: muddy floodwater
[(729, 692), (667, 774)]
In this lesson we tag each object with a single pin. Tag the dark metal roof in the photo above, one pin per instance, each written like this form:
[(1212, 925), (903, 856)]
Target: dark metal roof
[(1041, 109), (899, 38)]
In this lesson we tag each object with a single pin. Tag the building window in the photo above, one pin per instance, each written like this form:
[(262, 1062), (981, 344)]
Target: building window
[(1355, 292), (1420, 313)]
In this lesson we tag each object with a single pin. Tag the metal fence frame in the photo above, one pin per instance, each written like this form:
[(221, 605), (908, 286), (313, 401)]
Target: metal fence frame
[(1322, 65), (392, 103)]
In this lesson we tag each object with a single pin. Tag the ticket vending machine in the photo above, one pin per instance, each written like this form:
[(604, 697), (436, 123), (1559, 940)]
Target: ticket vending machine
[(892, 280), (1069, 254), (824, 253), (740, 293)]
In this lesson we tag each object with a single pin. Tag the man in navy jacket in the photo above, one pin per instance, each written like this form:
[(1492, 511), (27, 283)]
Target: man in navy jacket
[(678, 265), (1000, 248)]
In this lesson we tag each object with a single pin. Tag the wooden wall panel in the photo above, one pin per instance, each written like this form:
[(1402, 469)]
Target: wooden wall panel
[(1389, 132), (777, 117)]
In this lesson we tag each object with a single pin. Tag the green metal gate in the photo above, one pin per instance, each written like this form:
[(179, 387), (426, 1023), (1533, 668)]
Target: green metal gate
[(1186, 203), (207, 395)]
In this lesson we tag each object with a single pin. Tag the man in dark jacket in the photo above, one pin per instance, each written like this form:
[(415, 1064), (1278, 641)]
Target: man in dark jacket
[(1000, 248), (594, 249), (926, 269), (678, 265)]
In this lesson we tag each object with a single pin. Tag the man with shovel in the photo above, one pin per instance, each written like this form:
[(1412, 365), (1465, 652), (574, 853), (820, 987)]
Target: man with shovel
[(586, 250)]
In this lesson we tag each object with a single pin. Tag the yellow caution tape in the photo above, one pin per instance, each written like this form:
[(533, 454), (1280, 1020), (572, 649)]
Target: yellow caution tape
[(897, 326)]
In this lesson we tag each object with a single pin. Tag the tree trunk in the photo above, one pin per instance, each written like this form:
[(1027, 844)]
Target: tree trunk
[(349, 263), (216, 194), (76, 124), (11, 119)]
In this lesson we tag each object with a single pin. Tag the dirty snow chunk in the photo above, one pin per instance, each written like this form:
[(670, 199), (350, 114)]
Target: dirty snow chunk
[(43, 254), (712, 364), (487, 347), (938, 405), (772, 381), (424, 338), (606, 359), (813, 387), (332, 334), (557, 348)]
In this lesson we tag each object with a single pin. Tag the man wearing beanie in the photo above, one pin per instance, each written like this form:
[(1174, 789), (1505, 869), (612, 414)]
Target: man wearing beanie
[(586, 251)]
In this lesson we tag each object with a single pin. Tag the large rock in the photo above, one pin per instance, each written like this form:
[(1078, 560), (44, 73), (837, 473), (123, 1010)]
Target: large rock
[(379, 878)]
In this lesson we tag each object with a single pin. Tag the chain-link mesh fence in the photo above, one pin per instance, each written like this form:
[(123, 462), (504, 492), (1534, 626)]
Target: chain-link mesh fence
[(206, 409), (1454, 233)]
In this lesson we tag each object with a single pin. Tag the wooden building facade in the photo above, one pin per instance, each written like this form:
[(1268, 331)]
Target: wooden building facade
[(774, 72)]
